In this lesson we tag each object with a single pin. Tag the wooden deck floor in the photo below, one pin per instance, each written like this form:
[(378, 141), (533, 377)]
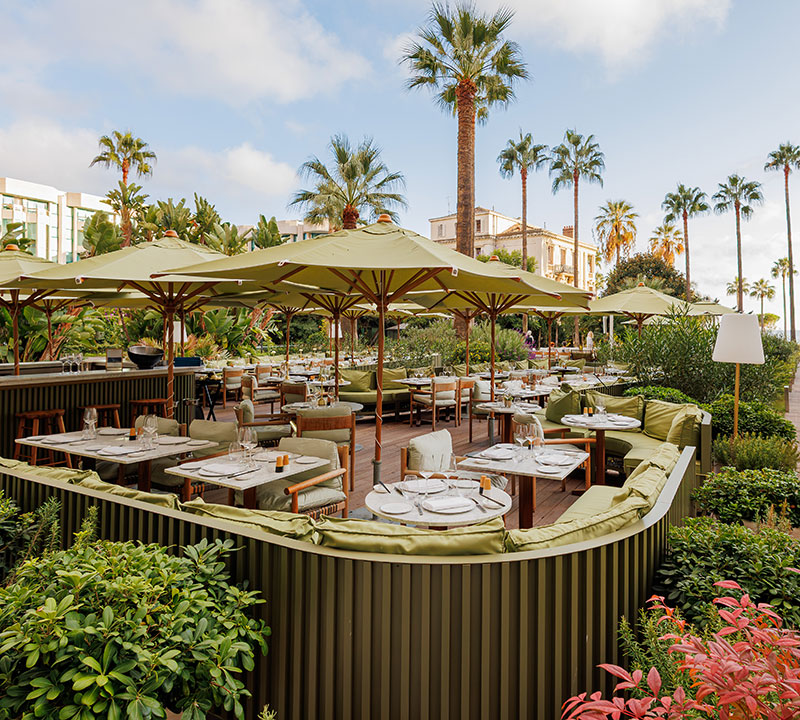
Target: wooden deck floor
[(551, 502)]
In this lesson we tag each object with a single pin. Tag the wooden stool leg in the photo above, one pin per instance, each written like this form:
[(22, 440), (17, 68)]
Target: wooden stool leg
[(35, 431), (20, 434), (116, 418), (60, 423)]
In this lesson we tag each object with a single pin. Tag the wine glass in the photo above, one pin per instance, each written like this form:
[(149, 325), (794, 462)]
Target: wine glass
[(536, 437), (248, 439), (600, 407), (150, 427), (90, 423), (521, 432)]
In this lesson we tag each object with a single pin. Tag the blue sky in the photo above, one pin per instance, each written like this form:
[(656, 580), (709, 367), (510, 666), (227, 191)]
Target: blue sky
[(233, 96)]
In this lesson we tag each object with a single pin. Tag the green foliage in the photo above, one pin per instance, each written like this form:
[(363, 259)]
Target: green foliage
[(162, 216), (735, 495), (266, 233), (226, 239), (513, 258), (749, 451), (756, 418), (125, 630), (705, 551), (205, 219), (100, 235), (657, 392), (24, 535), (417, 344), (650, 266), (14, 234), (479, 351), (508, 343)]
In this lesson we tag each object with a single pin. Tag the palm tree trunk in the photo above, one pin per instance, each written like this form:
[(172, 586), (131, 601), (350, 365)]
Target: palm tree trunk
[(349, 217), (126, 164), (523, 173), (791, 257), (739, 290), (783, 286), (465, 210), (762, 314), (686, 250), (575, 280)]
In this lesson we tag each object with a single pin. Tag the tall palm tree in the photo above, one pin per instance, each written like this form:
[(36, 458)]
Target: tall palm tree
[(732, 288), (577, 158), (615, 227), (781, 269), (762, 290), (684, 203), (666, 242), (462, 56), (787, 158), (741, 196), (125, 152), (128, 202), (358, 182)]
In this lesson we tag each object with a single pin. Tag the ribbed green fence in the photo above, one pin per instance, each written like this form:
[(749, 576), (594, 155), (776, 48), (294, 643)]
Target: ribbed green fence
[(370, 636)]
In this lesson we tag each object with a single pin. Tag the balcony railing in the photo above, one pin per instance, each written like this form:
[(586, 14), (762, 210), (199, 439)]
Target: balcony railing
[(563, 269)]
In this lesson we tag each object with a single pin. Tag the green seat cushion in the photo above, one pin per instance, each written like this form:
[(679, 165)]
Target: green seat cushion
[(596, 500), (390, 376), (365, 397), (298, 527), (167, 500), (430, 452), (578, 529), (337, 436), (562, 402), (685, 427), (658, 416), (360, 380), (377, 537), (632, 407)]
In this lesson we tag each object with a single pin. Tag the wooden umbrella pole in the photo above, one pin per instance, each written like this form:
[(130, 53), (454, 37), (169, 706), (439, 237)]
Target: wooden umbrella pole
[(352, 341), (170, 314), (336, 317), (289, 316), (382, 300), (492, 319), (549, 343), (467, 323)]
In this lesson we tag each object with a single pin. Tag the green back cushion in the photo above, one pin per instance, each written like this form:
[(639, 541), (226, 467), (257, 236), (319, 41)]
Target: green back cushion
[(521, 365), (59, 474), (632, 407), (315, 447), (562, 402), (223, 433), (377, 537), (167, 500), (248, 411), (299, 527), (505, 365), (430, 452), (479, 367), (578, 530), (482, 391), (392, 374), (426, 371), (460, 370), (360, 380), (658, 416), (539, 363), (580, 364), (337, 436), (685, 427), (166, 426)]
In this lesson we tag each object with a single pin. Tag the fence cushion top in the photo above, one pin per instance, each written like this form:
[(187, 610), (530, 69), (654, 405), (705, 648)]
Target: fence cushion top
[(377, 537), (685, 427), (658, 416), (648, 484), (298, 527), (61, 474), (632, 407), (360, 380), (167, 500)]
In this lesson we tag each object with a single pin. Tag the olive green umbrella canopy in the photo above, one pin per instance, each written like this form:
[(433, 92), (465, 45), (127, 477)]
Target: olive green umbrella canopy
[(709, 307), (638, 303), (380, 263)]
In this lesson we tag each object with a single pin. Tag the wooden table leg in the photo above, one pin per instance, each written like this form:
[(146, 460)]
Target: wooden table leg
[(527, 501), (144, 476), (600, 457), (506, 427), (249, 498)]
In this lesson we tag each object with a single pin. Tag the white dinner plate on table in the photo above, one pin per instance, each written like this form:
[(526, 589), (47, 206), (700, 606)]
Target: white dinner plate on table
[(307, 460), (35, 437), (117, 450), (191, 466), (478, 461), (269, 456), (467, 484), (221, 469), (555, 459), (449, 506), (171, 440), (396, 508), (62, 439), (433, 485), (113, 431), (196, 443)]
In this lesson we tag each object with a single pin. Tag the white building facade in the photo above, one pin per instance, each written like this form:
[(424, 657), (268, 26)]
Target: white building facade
[(53, 218), (553, 252)]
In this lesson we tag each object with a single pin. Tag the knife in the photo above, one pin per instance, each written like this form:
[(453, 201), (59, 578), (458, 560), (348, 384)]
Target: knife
[(488, 497), (480, 505)]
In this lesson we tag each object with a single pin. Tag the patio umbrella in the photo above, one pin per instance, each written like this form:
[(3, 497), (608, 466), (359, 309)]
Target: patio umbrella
[(549, 314), (709, 307), (379, 263), (638, 304), (133, 267)]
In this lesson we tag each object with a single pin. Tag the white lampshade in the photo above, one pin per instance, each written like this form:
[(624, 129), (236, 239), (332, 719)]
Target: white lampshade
[(739, 340)]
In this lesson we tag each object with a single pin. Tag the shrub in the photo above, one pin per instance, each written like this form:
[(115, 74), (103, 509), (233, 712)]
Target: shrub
[(25, 534), (749, 668), (417, 344), (478, 351), (734, 495), (117, 630), (705, 551), (755, 417), (508, 345), (750, 451), (657, 392)]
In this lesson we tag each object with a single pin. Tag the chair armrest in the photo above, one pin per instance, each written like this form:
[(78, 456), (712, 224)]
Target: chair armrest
[(293, 490)]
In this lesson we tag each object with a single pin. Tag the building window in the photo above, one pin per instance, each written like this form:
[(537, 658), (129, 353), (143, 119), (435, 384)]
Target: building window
[(563, 257), (477, 226), (550, 252), (440, 231)]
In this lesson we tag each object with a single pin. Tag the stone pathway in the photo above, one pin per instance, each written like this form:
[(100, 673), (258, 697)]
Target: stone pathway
[(793, 403)]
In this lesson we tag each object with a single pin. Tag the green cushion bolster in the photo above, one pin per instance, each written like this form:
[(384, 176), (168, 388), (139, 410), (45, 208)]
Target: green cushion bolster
[(648, 484), (299, 527), (632, 407), (364, 397), (392, 374), (685, 427), (272, 496), (658, 416), (165, 426), (562, 403), (460, 370), (369, 536), (597, 499), (92, 482), (664, 456), (273, 432), (580, 529)]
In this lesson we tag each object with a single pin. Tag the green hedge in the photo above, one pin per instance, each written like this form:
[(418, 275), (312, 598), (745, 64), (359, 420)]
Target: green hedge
[(756, 452), (754, 417), (657, 392)]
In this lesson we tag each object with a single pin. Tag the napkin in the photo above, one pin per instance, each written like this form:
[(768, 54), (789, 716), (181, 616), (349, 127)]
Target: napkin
[(117, 450), (448, 503), (497, 454)]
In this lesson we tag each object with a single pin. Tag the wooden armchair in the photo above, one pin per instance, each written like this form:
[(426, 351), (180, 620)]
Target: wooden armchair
[(251, 390), (293, 392), (331, 427), (464, 393), (270, 427), (404, 465), (343, 506), (231, 382), (441, 396)]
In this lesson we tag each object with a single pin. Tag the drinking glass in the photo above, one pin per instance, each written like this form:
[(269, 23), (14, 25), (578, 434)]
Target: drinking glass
[(248, 439), (536, 438), (235, 452), (89, 423), (600, 407), (150, 431)]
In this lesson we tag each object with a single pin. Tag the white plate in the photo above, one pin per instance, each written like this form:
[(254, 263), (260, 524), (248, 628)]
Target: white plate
[(220, 469), (434, 485), (117, 450), (307, 460), (171, 440), (557, 460), (477, 461), (271, 456), (35, 437), (396, 508), (191, 466), (497, 454), (467, 484), (506, 446), (113, 431), (196, 443)]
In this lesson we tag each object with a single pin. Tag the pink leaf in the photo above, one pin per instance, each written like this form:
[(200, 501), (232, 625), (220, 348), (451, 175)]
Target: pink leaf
[(654, 681)]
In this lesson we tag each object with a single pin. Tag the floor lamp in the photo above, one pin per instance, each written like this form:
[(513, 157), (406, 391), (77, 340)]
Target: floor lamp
[(738, 341)]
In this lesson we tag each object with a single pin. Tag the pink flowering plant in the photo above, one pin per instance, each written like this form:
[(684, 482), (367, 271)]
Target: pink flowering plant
[(748, 669)]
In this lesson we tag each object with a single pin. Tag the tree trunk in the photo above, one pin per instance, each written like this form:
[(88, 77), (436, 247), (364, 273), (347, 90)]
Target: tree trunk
[(575, 278), (349, 217), (125, 217), (762, 314), (465, 203), (523, 173), (783, 286), (686, 250), (790, 256), (739, 289), (126, 166)]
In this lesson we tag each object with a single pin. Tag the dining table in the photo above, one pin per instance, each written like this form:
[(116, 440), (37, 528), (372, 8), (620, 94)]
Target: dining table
[(506, 414), (599, 423)]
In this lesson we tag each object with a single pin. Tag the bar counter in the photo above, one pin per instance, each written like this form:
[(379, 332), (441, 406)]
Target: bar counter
[(46, 391)]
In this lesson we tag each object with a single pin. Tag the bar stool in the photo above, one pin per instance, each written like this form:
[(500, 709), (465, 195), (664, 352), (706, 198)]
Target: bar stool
[(107, 415), (148, 406), (39, 422)]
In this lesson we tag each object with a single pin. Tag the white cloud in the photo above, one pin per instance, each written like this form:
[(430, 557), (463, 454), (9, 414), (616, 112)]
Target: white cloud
[(619, 31), (237, 51)]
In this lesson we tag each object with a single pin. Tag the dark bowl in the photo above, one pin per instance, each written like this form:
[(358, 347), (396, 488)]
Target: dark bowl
[(144, 356)]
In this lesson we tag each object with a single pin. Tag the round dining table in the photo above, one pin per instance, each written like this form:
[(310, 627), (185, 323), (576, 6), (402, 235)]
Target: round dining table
[(599, 423)]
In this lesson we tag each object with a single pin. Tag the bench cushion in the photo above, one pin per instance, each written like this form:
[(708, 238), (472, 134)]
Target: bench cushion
[(685, 427), (431, 451), (646, 449), (378, 537), (632, 407), (647, 484), (596, 500), (299, 527), (360, 380), (658, 416), (562, 402), (390, 375)]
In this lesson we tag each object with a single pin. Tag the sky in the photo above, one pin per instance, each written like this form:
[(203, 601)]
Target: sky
[(234, 95)]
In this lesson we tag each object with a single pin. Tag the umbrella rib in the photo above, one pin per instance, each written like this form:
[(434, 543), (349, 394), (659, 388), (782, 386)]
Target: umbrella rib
[(414, 282)]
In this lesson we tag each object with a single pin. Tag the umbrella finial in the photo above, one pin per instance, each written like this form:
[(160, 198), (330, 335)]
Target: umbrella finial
[(494, 258), (641, 284), (11, 246), (384, 218), (170, 233)]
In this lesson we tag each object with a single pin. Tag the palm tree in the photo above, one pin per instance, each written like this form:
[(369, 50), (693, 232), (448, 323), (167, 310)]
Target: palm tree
[(781, 269), (786, 158), (615, 227), (741, 196), (266, 233), (666, 242), (128, 202), (732, 288), (684, 203), (14, 235), (762, 290), (225, 238), (100, 235), (359, 182), (125, 152), (577, 158), (462, 56)]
